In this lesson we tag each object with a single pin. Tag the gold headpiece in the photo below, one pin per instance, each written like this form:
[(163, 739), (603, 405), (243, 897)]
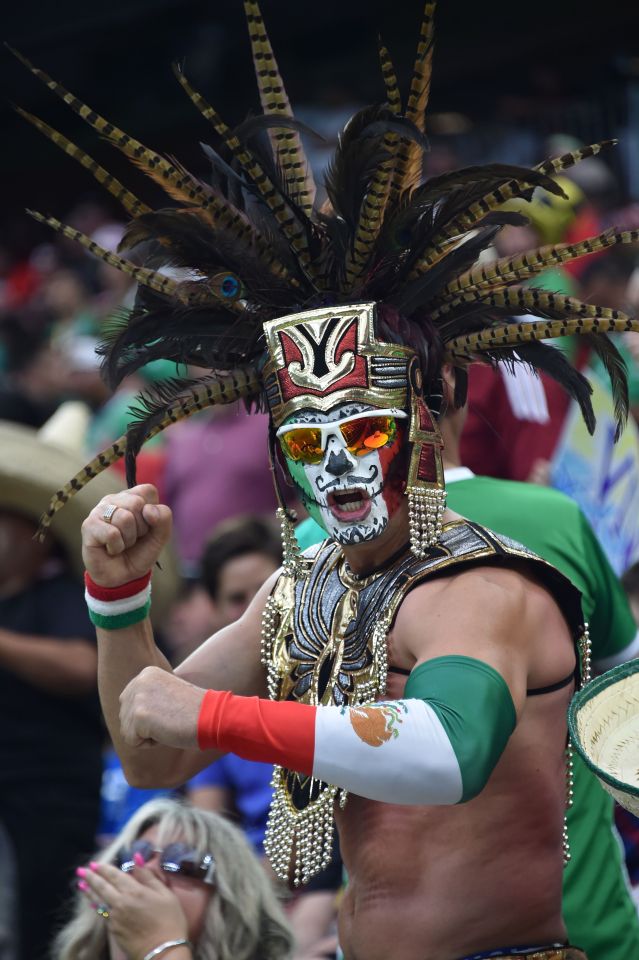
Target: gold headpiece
[(321, 358)]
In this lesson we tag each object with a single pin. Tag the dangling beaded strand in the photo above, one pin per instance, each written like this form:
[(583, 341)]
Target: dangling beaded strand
[(425, 518)]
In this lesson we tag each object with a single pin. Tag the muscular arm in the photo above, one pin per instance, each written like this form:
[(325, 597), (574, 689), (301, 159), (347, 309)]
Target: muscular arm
[(122, 655), (485, 613), (66, 668), (228, 660), (118, 553), (473, 639)]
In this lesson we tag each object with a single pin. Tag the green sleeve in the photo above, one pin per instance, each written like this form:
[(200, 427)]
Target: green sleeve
[(475, 708)]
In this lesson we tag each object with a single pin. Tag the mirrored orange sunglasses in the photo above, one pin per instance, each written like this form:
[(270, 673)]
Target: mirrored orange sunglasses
[(361, 433)]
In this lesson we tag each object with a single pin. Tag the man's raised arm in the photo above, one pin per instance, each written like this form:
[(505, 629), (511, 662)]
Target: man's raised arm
[(119, 553)]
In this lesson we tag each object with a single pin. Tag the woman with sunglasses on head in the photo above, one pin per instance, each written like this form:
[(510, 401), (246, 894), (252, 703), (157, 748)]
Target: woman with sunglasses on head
[(177, 883)]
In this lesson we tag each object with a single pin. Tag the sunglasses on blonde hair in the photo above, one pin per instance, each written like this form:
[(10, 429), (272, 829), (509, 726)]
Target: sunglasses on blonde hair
[(176, 858)]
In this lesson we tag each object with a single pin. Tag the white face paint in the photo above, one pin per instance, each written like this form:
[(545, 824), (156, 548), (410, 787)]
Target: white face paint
[(347, 494)]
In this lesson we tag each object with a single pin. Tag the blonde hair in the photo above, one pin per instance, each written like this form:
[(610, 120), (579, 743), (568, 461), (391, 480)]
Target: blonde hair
[(243, 921)]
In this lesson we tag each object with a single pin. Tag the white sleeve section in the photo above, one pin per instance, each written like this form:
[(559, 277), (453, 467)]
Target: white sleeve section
[(629, 652), (396, 752)]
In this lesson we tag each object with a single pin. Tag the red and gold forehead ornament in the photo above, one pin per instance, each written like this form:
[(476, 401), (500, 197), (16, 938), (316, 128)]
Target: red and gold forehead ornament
[(319, 359)]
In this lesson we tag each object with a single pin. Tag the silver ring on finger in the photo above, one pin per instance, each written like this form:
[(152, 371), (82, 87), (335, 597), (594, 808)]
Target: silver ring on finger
[(109, 510), (103, 910)]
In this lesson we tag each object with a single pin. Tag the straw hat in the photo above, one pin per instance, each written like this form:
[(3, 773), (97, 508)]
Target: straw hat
[(36, 463), (604, 725)]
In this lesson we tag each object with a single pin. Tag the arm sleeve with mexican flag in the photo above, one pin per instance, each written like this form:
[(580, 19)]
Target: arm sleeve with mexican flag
[(437, 745)]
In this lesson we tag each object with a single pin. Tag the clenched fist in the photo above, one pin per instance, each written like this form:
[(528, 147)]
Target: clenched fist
[(126, 546), (158, 707)]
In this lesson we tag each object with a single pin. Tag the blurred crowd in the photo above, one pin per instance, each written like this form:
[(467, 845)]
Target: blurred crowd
[(62, 792)]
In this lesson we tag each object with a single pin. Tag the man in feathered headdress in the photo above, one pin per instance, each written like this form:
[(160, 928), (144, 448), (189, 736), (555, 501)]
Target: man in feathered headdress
[(390, 673)]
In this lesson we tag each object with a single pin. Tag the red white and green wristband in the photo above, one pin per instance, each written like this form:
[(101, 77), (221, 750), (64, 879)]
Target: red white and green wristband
[(114, 608)]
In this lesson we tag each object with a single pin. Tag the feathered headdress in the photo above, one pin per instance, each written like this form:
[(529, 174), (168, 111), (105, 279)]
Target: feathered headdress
[(251, 245)]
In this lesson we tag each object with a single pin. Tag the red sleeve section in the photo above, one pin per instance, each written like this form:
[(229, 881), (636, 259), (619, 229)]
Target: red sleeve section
[(269, 731)]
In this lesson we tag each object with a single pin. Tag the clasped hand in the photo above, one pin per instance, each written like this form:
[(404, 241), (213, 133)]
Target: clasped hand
[(158, 707), (143, 910)]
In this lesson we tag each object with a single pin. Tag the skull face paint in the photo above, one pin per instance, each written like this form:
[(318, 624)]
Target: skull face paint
[(352, 495)]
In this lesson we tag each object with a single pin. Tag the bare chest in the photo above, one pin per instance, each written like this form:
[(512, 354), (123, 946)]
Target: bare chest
[(479, 875)]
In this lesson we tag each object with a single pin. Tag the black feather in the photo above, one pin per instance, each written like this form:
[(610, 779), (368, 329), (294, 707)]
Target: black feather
[(153, 406), (225, 178), (451, 193), (616, 368), (457, 202), (184, 240), (543, 356), (259, 211), (400, 125), (490, 175), (202, 334), (360, 152), (415, 294), (355, 161)]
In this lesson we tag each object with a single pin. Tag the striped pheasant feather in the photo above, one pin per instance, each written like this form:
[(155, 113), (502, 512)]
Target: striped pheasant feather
[(471, 345), (188, 292), (389, 76), (148, 278), (183, 186), (580, 318), (178, 183), (408, 168), (556, 165), (241, 384), (494, 199), (526, 265), (272, 197), (287, 143), (129, 201), (376, 198)]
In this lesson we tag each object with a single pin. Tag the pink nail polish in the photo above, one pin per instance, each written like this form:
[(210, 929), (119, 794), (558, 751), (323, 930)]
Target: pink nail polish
[(138, 859), (83, 885), (94, 865), (81, 872)]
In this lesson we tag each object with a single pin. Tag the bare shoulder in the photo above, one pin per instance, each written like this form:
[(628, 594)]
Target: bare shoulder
[(230, 659), (505, 616), (497, 592)]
